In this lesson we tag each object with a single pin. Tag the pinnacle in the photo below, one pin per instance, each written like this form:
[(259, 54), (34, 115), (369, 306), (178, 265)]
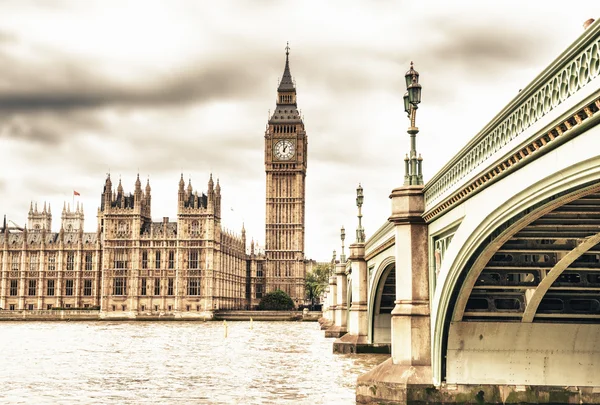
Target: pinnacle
[(286, 84)]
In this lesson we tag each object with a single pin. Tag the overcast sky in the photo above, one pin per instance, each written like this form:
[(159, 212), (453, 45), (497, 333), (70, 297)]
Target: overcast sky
[(170, 87)]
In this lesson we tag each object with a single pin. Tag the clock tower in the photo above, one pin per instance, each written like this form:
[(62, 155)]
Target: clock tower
[(285, 165)]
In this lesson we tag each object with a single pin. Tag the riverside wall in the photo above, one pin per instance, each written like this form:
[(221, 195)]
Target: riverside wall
[(96, 315)]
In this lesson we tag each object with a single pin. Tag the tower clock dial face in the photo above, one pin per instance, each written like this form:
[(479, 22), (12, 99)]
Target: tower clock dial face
[(284, 149)]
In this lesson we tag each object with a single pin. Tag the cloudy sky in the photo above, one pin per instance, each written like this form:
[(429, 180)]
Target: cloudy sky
[(170, 87)]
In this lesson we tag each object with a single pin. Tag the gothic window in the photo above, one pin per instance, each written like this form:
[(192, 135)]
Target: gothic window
[(144, 259), (88, 261), (157, 259), (120, 259), (32, 286), (122, 229), (259, 269), (195, 228), (119, 286), (50, 289), (170, 286), (87, 287), (171, 259), (15, 261), (193, 259), (144, 287), (70, 260), (69, 287), (14, 287), (52, 262), (33, 262), (69, 228), (36, 227), (157, 286), (194, 286)]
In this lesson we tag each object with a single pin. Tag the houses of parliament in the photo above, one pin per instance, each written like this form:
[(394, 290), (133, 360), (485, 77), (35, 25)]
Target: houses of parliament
[(189, 266)]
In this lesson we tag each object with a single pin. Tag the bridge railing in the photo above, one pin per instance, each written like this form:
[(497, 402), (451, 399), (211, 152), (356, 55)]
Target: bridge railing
[(566, 76)]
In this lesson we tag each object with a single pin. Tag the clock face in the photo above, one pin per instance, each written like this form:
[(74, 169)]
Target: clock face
[(284, 150)]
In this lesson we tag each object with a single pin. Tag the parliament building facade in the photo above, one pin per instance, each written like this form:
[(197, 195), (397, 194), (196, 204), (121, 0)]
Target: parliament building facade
[(190, 266)]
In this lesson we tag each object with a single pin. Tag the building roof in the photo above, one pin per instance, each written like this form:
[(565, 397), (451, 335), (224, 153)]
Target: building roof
[(286, 84), (16, 238)]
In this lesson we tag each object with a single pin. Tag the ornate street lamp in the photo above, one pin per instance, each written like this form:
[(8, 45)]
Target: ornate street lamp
[(360, 232), (412, 99), (332, 270), (343, 236)]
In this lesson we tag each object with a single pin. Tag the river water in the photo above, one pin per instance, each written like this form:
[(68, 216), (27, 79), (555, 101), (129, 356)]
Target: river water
[(174, 363)]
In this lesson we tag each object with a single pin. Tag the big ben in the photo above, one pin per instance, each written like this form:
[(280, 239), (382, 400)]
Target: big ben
[(285, 164)]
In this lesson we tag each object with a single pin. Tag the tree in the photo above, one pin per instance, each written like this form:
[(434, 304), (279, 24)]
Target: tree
[(316, 282), (276, 301)]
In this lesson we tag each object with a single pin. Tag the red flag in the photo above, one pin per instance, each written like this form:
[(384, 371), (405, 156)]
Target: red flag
[(75, 193)]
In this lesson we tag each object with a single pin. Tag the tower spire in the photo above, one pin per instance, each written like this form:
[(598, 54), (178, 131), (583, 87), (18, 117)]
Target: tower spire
[(286, 84)]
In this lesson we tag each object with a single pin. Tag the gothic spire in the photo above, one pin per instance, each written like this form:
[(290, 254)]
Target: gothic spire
[(287, 84), (181, 184)]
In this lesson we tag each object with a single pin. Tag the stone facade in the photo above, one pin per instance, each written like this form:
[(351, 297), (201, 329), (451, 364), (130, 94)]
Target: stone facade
[(131, 264)]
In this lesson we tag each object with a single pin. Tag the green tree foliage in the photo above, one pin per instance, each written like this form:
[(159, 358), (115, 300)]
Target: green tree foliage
[(316, 282), (276, 301)]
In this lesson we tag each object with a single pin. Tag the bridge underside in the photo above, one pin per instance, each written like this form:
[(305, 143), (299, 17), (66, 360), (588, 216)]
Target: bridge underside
[(549, 271), (533, 309)]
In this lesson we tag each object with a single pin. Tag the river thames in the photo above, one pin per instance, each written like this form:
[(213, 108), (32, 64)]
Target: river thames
[(175, 362)]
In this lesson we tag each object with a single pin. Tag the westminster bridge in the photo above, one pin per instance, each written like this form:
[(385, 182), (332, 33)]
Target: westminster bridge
[(484, 283)]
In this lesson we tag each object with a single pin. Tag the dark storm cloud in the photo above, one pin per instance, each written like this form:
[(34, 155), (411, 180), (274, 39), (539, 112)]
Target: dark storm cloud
[(46, 127), (491, 47), (86, 90)]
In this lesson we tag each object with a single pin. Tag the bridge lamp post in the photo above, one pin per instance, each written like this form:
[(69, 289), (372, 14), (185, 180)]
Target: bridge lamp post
[(332, 272), (360, 232), (412, 98), (343, 236)]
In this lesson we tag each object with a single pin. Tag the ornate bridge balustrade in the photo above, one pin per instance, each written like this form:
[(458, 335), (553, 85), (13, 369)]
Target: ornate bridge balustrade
[(520, 131)]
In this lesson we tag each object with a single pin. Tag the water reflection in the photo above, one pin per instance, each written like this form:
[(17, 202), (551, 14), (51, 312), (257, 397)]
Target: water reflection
[(175, 362)]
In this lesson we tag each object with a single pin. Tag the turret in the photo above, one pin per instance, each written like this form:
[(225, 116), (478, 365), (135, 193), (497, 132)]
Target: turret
[(106, 194), (38, 221), (72, 221), (189, 189), (138, 191), (181, 192), (148, 197), (211, 194), (218, 200)]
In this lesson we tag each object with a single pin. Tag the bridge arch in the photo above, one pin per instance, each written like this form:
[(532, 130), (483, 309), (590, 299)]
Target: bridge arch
[(380, 323), (478, 238)]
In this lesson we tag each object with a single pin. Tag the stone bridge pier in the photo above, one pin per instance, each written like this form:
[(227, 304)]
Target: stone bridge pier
[(355, 341), (409, 367)]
